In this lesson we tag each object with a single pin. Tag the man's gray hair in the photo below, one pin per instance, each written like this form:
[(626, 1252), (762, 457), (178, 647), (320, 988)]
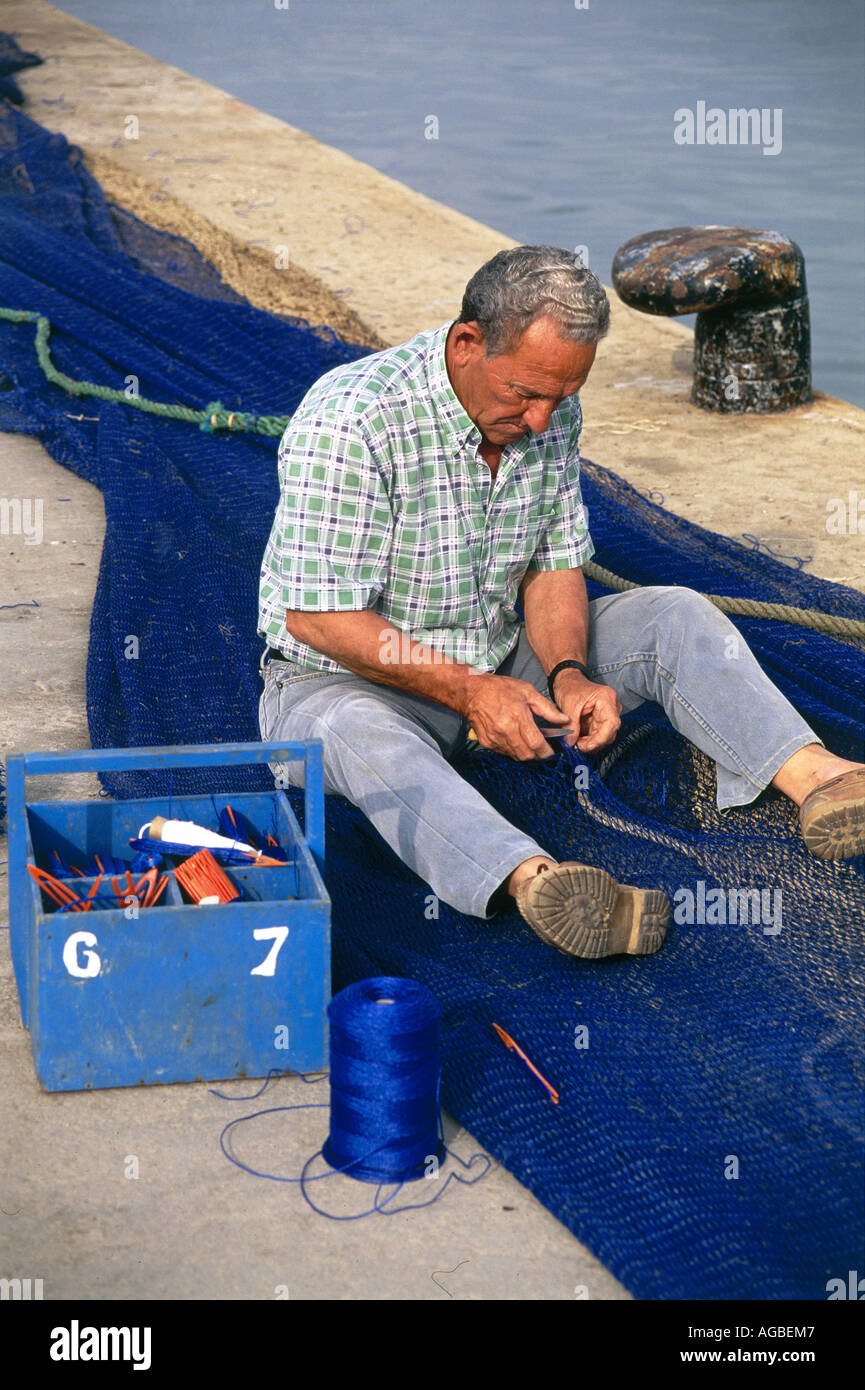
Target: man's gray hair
[(518, 286)]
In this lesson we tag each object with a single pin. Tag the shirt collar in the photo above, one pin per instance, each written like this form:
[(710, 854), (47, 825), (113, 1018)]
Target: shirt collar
[(457, 425)]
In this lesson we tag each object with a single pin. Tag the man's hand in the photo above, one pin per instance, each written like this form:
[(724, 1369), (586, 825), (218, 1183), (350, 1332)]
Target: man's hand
[(593, 710), (556, 608), (500, 710)]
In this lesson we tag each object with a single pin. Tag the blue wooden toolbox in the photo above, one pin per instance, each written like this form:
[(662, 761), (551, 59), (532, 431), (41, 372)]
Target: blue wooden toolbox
[(178, 992)]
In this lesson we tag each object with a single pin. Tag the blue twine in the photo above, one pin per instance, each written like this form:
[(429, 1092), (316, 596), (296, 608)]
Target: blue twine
[(759, 545), (383, 1206), (385, 1113), (274, 1071), (385, 1063), (380, 1206)]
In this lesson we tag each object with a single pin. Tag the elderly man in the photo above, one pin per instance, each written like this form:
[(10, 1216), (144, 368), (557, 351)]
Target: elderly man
[(424, 490)]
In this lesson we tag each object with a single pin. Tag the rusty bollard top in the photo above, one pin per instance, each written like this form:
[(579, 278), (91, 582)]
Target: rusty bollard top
[(685, 270), (752, 347)]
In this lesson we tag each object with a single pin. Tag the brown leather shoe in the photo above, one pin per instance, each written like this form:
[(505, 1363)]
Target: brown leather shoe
[(832, 818), (584, 912)]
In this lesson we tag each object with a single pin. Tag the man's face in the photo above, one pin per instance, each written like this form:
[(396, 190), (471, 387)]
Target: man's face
[(517, 392)]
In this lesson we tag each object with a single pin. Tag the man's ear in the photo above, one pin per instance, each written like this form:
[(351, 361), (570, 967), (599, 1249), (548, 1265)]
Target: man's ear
[(467, 342)]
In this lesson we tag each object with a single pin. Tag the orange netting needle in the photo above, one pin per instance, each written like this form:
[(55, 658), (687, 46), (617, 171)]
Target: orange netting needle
[(54, 888), (93, 891), (60, 892), (513, 1047), (157, 892), (256, 857)]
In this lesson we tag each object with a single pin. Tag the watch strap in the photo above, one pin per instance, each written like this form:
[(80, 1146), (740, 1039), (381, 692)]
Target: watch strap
[(564, 666)]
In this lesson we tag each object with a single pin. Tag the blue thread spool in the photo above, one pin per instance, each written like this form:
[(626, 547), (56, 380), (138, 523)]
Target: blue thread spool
[(385, 1063)]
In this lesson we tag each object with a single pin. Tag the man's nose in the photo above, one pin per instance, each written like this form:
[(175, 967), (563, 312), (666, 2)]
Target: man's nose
[(537, 415)]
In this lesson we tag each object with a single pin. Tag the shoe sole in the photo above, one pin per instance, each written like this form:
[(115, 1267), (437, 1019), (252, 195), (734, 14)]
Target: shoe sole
[(584, 912), (837, 832)]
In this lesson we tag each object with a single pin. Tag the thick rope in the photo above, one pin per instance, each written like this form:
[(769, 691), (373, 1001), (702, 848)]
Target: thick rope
[(216, 417), (750, 607)]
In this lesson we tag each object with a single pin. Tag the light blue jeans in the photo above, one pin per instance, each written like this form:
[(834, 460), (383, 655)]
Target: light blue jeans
[(387, 751)]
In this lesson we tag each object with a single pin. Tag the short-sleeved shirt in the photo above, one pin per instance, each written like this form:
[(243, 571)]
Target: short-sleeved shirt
[(386, 504)]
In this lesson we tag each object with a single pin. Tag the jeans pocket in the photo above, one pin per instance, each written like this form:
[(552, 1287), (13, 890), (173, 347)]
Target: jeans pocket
[(268, 707), (281, 679)]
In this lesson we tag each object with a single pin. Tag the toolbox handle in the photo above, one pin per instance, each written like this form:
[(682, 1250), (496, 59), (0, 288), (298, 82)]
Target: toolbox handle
[(188, 755)]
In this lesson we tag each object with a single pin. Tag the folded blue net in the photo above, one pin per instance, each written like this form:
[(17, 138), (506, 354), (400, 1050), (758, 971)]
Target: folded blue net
[(708, 1142)]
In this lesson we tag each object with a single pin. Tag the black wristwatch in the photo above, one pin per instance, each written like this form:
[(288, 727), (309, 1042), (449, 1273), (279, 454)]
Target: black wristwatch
[(564, 666)]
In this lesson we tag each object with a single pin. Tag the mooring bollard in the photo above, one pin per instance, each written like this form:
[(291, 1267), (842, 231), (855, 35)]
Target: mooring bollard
[(752, 342)]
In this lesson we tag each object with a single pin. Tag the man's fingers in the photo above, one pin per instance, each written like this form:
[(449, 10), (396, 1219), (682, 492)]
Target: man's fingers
[(525, 741), (548, 712), (520, 738), (507, 717), (592, 743), (602, 724), (528, 741)]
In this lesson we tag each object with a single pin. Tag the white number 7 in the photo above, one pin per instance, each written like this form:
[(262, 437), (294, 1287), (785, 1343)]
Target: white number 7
[(275, 934)]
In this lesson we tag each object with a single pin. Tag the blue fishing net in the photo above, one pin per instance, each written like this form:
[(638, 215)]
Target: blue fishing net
[(708, 1142)]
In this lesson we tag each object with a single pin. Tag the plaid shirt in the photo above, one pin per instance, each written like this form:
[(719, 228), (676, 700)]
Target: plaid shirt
[(386, 504)]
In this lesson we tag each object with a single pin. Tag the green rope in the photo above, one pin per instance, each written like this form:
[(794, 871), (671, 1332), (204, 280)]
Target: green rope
[(216, 417), (213, 417)]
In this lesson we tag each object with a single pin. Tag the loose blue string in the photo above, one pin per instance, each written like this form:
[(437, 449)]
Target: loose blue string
[(304, 1179), (274, 1071), (759, 545)]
